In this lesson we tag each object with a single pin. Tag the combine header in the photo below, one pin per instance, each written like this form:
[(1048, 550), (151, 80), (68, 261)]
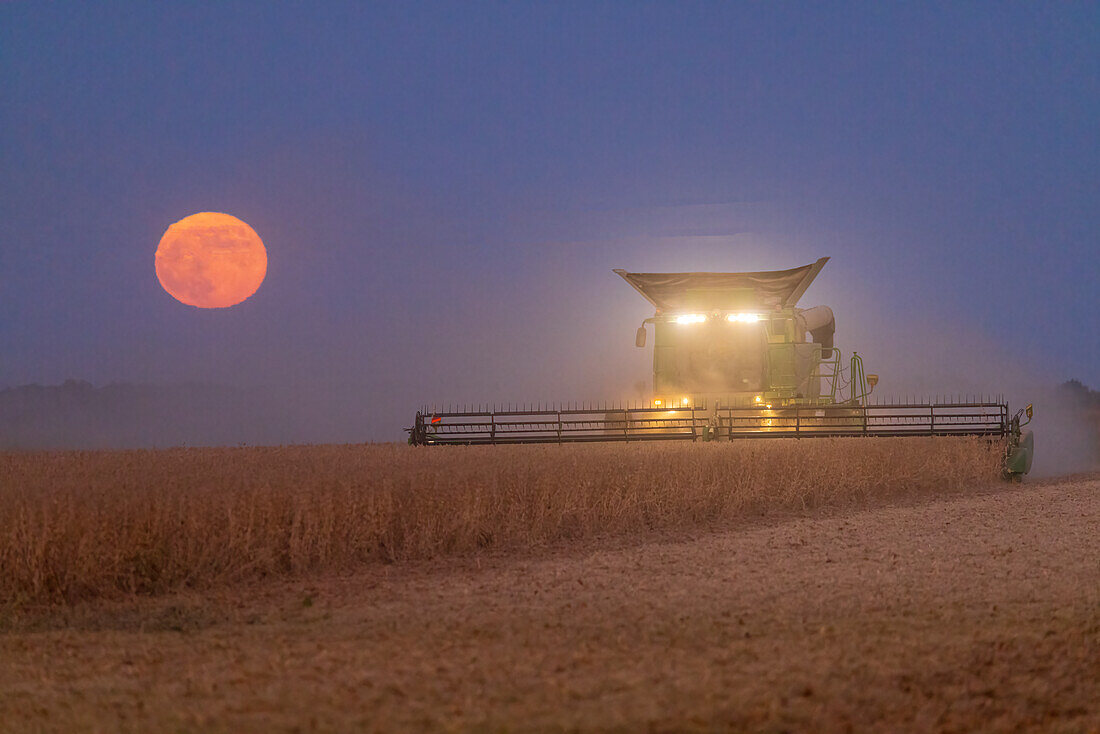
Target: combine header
[(734, 357)]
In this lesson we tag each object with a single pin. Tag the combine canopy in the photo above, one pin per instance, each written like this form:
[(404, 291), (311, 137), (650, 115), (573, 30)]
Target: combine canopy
[(724, 291)]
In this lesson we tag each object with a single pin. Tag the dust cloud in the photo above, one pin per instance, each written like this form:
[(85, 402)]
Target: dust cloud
[(920, 364)]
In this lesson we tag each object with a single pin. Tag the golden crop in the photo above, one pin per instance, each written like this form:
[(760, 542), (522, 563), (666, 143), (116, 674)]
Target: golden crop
[(79, 525)]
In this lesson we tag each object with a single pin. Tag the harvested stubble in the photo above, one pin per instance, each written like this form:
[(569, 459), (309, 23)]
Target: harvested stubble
[(81, 525)]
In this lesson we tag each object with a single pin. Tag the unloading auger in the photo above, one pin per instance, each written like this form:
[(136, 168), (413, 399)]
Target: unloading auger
[(735, 357)]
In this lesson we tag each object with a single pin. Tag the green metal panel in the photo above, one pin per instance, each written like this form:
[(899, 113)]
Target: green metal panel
[(665, 344), (1019, 457), (782, 370)]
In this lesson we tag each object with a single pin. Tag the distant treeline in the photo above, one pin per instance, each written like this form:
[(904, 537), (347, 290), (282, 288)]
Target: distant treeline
[(78, 415), (1080, 394)]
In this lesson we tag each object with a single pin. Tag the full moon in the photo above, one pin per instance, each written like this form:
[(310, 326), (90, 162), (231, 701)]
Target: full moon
[(211, 260)]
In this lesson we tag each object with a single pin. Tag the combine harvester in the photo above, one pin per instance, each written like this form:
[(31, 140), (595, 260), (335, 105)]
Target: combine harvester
[(734, 357)]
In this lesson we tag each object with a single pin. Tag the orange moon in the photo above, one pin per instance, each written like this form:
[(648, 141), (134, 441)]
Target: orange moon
[(211, 260)]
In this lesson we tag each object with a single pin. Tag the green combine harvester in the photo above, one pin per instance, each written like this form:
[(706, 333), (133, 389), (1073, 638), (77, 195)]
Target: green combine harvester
[(735, 357)]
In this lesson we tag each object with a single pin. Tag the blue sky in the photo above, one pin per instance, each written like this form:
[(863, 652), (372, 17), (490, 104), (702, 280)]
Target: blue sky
[(443, 188)]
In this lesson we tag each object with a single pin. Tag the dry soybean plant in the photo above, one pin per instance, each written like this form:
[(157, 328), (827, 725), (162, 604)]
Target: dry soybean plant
[(81, 525)]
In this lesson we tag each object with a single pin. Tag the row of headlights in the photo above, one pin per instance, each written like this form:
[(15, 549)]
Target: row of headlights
[(736, 318)]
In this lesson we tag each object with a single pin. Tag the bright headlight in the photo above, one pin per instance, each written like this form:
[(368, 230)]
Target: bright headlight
[(691, 318), (743, 318)]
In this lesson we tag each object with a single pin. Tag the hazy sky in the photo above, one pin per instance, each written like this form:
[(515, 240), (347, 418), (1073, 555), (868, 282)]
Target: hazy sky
[(443, 189)]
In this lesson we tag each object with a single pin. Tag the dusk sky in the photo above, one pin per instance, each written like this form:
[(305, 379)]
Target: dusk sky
[(443, 189)]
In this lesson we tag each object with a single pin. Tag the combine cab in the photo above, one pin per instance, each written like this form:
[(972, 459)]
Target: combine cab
[(735, 357), (739, 340)]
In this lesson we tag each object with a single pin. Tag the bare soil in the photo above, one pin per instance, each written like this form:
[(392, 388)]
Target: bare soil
[(959, 613)]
